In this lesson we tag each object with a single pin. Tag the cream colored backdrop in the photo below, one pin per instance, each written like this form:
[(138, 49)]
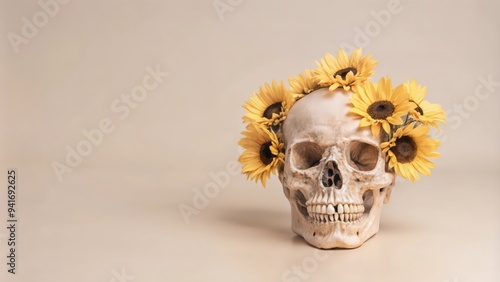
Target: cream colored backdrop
[(118, 114)]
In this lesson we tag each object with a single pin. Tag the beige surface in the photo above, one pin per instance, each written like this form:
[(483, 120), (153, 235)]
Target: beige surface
[(118, 211)]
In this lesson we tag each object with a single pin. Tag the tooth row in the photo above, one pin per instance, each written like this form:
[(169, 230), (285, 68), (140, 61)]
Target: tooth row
[(350, 217), (331, 209)]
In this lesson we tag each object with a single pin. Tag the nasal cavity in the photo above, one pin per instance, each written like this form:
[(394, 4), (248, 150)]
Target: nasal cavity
[(331, 175)]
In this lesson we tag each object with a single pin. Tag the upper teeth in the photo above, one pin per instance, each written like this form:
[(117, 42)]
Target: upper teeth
[(340, 208), (330, 212)]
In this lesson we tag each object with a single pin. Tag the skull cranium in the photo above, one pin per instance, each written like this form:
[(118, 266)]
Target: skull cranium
[(335, 174)]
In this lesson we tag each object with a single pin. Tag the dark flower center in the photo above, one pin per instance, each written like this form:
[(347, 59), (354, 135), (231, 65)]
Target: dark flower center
[(405, 149), (343, 72), (273, 109), (381, 109), (266, 156)]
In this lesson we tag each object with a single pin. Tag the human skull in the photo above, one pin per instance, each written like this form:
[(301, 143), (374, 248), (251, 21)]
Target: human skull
[(335, 175)]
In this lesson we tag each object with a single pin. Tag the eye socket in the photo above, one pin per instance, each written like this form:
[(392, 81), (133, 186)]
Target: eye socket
[(362, 156), (306, 154)]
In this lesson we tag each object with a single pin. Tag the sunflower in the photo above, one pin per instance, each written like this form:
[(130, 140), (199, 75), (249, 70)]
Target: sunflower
[(344, 71), (303, 84), (262, 155), (269, 106), (380, 104), (424, 112), (409, 149)]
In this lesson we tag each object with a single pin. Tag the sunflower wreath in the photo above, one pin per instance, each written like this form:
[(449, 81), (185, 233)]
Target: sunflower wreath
[(401, 112)]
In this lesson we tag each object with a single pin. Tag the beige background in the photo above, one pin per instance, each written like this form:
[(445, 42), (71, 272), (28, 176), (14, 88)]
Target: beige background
[(118, 211)]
